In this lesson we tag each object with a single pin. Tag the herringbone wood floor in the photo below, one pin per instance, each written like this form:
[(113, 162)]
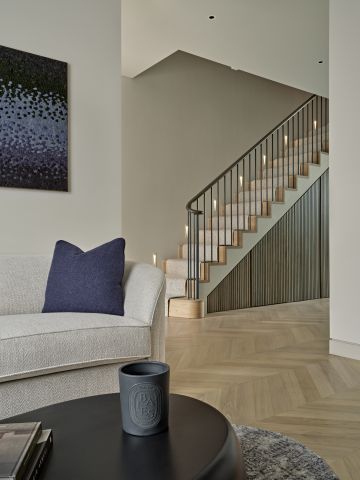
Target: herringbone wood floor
[(269, 367)]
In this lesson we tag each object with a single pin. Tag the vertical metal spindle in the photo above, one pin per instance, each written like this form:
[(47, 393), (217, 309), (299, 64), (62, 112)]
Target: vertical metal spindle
[(231, 207), (249, 189), (293, 147), (211, 224), (321, 123), (288, 151), (317, 124), (225, 211), (256, 207), (303, 136), (237, 196), (188, 256), (277, 157), (243, 190), (326, 123), (266, 170), (307, 132), (298, 140), (312, 130), (261, 180), (205, 227), (218, 210), (283, 157), (197, 265), (272, 167), (194, 255), (204, 245)]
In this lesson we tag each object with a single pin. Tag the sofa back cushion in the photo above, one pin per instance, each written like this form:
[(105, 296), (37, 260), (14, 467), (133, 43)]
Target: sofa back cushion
[(22, 283)]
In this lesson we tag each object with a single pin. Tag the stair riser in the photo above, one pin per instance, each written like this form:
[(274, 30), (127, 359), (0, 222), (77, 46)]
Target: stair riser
[(205, 236), (310, 142), (176, 287), (242, 209), (301, 146), (243, 224), (285, 181), (205, 256), (283, 171), (185, 308), (309, 133), (289, 159), (176, 268), (252, 196)]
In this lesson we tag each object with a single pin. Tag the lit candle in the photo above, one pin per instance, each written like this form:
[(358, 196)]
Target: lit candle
[(186, 231), (154, 259), (215, 205)]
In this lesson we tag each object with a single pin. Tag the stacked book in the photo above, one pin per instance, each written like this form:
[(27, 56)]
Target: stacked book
[(23, 450)]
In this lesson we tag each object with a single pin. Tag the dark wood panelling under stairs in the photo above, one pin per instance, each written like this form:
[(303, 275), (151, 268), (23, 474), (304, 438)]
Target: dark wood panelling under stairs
[(289, 264)]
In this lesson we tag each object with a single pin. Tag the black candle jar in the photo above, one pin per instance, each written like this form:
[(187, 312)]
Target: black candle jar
[(144, 397)]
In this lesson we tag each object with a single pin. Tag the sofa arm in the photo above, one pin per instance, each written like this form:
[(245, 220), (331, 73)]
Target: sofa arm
[(158, 330), (144, 287)]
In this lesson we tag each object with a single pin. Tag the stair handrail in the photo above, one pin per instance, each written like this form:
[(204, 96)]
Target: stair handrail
[(227, 170)]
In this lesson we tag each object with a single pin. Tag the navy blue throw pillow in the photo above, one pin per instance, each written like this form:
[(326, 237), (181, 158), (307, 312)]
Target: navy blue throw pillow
[(86, 281)]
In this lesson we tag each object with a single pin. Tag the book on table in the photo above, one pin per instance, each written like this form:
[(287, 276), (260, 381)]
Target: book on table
[(23, 450), (41, 451)]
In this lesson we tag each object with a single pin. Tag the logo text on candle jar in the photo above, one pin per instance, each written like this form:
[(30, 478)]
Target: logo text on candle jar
[(145, 400)]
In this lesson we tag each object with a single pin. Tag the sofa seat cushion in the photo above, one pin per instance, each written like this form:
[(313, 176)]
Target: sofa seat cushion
[(36, 344)]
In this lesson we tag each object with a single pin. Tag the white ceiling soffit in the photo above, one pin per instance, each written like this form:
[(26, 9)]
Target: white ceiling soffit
[(282, 40)]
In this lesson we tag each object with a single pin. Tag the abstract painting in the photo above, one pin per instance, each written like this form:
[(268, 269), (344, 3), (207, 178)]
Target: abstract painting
[(33, 121)]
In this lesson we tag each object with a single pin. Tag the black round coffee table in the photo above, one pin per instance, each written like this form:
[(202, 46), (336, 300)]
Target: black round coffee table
[(89, 443)]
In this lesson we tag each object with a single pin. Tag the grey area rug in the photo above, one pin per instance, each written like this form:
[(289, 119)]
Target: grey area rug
[(272, 456)]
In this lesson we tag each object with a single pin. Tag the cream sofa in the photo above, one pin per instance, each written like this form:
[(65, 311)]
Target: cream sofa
[(47, 358)]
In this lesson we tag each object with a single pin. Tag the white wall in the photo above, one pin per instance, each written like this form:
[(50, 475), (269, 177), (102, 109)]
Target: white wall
[(184, 121), (86, 34), (344, 177)]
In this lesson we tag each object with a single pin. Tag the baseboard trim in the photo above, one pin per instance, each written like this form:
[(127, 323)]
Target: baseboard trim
[(344, 349)]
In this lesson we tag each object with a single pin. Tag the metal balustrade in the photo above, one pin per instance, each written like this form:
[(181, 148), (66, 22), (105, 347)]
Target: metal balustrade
[(231, 203)]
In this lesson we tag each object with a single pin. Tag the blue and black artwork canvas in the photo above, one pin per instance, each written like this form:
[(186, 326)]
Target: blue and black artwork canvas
[(33, 121)]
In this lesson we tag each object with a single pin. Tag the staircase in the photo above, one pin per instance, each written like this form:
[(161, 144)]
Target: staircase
[(230, 215)]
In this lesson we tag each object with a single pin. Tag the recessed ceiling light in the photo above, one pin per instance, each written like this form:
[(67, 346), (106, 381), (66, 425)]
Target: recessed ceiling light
[(211, 17)]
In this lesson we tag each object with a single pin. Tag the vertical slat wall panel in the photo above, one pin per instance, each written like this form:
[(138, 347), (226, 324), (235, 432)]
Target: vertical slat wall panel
[(234, 289), (324, 232), (289, 264)]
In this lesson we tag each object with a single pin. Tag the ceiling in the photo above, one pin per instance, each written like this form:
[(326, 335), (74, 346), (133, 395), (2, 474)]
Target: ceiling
[(282, 40)]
